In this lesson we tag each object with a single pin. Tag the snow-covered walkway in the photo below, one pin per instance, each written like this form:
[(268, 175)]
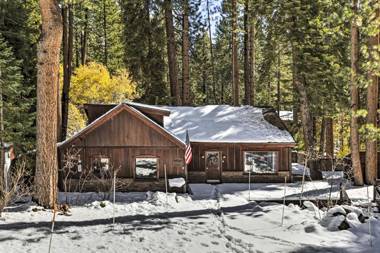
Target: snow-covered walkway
[(214, 219)]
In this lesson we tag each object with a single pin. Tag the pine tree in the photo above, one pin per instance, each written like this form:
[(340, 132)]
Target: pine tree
[(186, 97), (172, 53), (373, 99), (105, 33), (16, 121), (201, 69), (235, 62), (19, 27), (144, 46)]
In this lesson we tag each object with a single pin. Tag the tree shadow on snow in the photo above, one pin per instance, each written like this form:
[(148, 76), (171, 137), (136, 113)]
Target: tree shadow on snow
[(158, 220), (319, 249)]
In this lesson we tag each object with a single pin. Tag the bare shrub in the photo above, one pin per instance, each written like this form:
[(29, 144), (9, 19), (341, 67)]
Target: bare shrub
[(18, 185), (103, 181), (69, 168)]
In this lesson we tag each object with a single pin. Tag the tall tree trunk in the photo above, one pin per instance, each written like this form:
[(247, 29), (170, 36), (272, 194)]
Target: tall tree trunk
[(212, 58), (278, 83), (148, 70), (372, 107), (247, 54), (235, 63), (329, 137), (47, 103), (354, 133), (341, 132), (172, 55), (84, 36), (322, 137), (65, 53), (68, 40), (2, 147), (252, 57), (77, 48), (105, 35), (306, 117), (186, 99)]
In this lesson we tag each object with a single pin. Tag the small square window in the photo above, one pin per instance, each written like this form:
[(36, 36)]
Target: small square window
[(146, 167), (100, 164), (260, 162)]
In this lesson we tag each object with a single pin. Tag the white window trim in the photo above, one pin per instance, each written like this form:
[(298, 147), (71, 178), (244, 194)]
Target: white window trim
[(147, 157)]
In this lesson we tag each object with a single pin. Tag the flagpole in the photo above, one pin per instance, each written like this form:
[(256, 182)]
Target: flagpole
[(186, 178), (187, 156), (186, 174)]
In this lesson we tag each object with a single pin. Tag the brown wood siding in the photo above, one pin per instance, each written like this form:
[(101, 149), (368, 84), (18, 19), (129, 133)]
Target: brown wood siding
[(126, 129), (233, 159), (123, 159), (123, 138)]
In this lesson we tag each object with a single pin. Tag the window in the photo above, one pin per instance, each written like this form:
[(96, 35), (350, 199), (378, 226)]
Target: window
[(260, 162), (146, 167), (100, 164)]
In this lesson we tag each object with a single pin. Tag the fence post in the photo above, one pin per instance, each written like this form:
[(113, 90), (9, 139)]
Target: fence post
[(166, 184), (114, 197), (283, 203)]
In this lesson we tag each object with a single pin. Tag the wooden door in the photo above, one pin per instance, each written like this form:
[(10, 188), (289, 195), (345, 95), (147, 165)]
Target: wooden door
[(212, 166)]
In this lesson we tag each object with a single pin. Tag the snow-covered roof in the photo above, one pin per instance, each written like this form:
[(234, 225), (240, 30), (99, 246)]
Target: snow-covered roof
[(223, 123), (152, 107)]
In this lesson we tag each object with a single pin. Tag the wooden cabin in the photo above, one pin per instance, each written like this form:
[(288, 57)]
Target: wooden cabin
[(139, 141)]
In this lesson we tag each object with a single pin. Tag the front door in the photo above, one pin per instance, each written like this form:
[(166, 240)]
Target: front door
[(212, 166)]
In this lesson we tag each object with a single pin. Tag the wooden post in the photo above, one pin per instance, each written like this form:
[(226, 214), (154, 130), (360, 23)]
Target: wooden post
[(369, 218), (283, 203), (166, 184), (249, 184), (186, 178), (186, 173), (114, 197), (3, 173), (303, 178)]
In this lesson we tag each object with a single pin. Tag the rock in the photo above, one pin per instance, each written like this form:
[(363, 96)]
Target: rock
[(352, 217), (344, 225), (332, 223), (310, 229), (362, 218), (353, 220), (336, 211), (310, 206), (350, 209)]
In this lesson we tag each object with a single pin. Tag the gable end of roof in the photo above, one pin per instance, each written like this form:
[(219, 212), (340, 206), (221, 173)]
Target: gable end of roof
[(114, 111)]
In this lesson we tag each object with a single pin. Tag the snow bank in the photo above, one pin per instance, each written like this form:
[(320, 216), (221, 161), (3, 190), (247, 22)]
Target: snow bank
[(336, 210), (275, 191), (298, 169), (221, 220), (332, 175)]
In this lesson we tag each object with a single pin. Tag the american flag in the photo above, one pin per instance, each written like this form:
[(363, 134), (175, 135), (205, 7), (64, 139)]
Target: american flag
[(188, 154)]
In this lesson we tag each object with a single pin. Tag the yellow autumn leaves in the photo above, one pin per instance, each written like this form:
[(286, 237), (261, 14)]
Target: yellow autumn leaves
[(92, 83)]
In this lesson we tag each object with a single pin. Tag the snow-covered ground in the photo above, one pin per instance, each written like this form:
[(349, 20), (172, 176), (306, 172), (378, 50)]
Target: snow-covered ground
[(215, 219)]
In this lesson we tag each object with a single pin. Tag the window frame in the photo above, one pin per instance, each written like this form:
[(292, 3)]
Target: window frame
[(276, 161), (99, 157), (146, 178)]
